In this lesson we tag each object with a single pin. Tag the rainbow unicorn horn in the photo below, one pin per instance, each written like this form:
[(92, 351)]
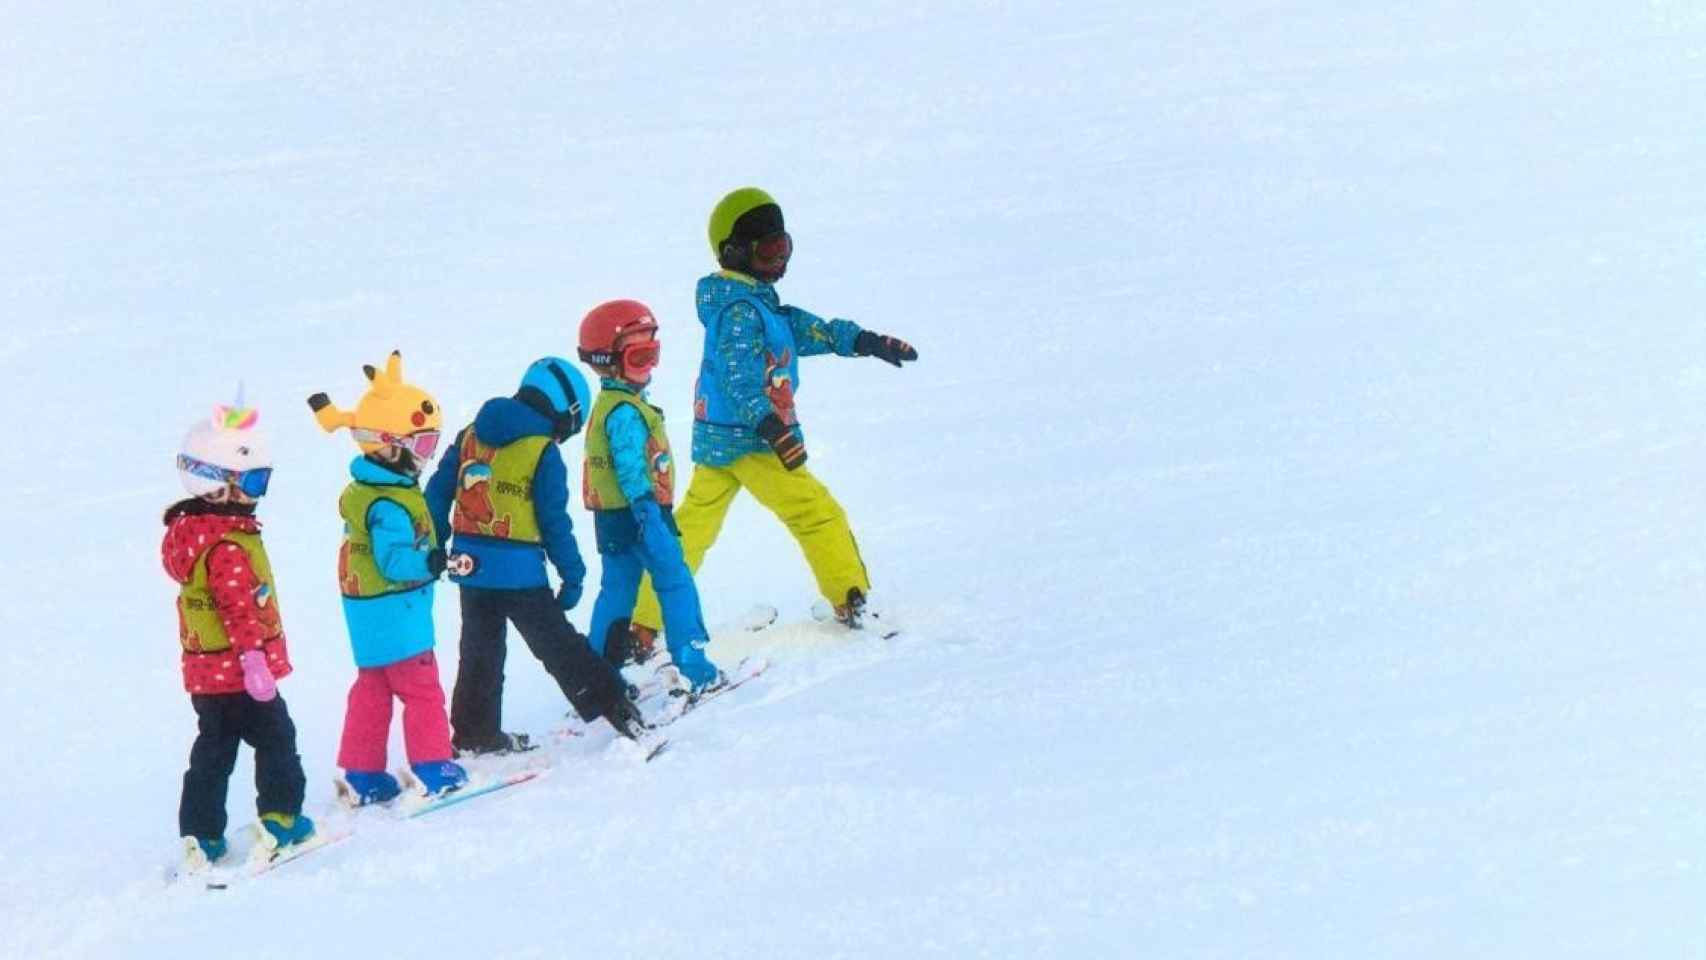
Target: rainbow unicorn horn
[(236, 417)]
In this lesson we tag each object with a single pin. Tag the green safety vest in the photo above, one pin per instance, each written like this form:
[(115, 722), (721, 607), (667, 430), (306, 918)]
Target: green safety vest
[(494, 489), (358, 573), (599, 487), (200, 629)]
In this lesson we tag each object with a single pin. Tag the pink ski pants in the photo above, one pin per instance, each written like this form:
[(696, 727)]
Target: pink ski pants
[(367, 723)]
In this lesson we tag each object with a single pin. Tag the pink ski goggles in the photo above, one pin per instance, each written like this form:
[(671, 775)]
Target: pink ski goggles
[(421, 443)]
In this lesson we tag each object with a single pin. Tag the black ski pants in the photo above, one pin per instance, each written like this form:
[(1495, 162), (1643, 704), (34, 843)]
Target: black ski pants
[(224, 720), (476, 704)]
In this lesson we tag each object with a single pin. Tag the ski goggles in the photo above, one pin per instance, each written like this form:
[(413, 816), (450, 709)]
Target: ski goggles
[(770, 253), (421, 443), (641, 355), (253, 483)]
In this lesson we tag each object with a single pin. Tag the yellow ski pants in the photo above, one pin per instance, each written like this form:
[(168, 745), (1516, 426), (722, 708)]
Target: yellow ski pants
[(796, 497)]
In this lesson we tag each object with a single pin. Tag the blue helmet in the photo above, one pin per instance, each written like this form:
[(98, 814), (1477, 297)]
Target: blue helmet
[(557, 391)]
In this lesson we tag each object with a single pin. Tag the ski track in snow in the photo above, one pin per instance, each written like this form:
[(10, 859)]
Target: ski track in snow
[(1294, 512)]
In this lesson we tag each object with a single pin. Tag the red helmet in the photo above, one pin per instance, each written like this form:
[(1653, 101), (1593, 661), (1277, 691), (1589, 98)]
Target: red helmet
[(610, 328)]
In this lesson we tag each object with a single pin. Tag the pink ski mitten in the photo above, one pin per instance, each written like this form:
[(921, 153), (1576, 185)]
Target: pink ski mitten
[(257, 678)]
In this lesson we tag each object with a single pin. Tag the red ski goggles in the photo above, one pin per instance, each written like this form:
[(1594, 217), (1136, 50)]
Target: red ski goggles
[(770, 254), (640, 356), (421, 443)]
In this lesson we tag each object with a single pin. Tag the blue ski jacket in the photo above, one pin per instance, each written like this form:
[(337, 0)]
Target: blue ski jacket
[(386, 629), (750, 365), (509, 564)]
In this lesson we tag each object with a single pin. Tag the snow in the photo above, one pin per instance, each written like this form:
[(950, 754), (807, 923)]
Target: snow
[(1293, 509)]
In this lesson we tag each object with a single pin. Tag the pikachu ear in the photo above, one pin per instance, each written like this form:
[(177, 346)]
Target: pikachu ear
[(394, 367), (367, 368)]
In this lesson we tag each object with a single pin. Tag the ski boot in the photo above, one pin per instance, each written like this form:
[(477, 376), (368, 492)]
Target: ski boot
[(358, 788), (624, 715), (669, 679), (439, 776), (642, 643), (285, 830), (857, 613), (684, 693), (201, 853), (496, 745), (708, 688), (852, 613)]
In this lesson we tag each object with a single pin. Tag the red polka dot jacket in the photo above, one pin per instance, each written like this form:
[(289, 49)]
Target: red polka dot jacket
[(192, 529)]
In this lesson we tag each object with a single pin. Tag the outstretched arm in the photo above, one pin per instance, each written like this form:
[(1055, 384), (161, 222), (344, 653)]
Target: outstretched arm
[(814, 335), (845, 338)]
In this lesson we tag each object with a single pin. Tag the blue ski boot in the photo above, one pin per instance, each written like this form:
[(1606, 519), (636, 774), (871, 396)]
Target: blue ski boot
[(287, 830), (213, 848), (439, 776), (200, 853), (368, 786)]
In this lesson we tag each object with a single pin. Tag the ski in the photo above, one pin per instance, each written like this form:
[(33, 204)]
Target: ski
[(415, 802), (872, 622), (651, 746), (756, 618), (748, 669), (264, 857)]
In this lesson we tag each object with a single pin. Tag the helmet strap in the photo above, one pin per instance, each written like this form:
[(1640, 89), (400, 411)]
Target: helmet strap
[(563, 425)]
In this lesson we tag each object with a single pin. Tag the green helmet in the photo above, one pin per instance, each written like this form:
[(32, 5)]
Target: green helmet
[(748, 211)]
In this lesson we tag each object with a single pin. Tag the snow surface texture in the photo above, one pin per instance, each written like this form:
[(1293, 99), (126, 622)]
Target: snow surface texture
[(1295, 508)]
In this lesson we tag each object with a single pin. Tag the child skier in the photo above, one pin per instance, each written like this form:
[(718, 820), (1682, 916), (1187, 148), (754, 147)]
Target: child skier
[(233, 640), (503, 489), (386, 570), (629, 485), (745, 432)]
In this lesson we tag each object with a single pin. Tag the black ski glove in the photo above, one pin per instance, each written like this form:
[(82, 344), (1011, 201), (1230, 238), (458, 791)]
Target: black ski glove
[(435, 562), (890, 350), (783, 439)]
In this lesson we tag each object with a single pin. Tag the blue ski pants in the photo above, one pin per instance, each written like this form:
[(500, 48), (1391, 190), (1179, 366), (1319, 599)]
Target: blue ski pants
[(683, 623)]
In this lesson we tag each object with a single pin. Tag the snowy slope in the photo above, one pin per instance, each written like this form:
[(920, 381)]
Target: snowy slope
[(1294, 505)]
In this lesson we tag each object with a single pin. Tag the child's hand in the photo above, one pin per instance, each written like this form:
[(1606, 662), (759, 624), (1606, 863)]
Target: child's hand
[(790, 449), (257, 676), (890, 350)]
